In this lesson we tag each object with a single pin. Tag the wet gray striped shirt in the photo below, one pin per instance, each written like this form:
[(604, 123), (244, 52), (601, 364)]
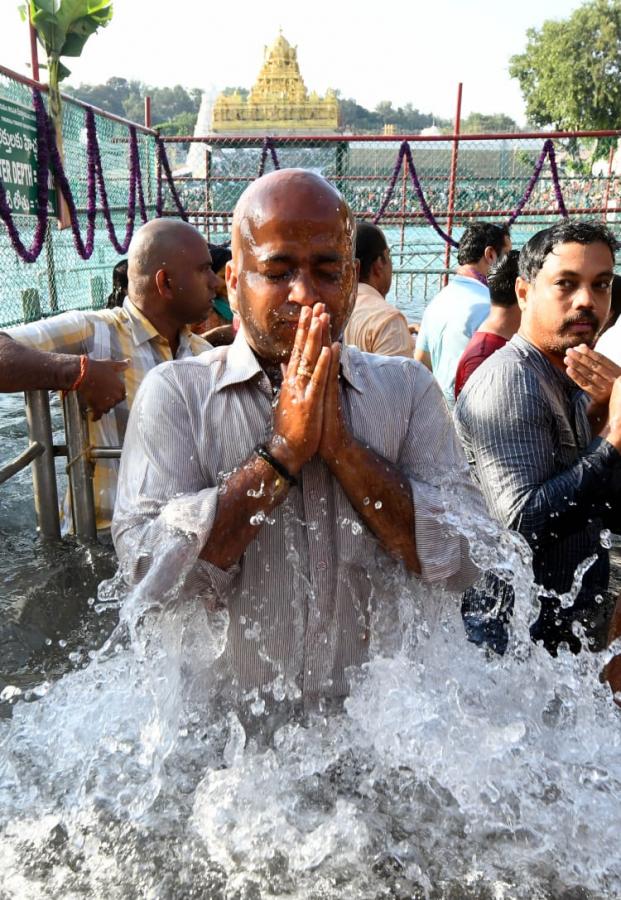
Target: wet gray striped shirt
[(525, 431), (301, 597)]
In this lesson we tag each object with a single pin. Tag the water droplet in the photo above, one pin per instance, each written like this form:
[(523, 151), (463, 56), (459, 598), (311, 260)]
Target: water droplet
[(258, 707)]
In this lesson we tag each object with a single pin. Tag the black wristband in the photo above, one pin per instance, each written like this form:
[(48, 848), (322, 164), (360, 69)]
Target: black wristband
[(262, 451)]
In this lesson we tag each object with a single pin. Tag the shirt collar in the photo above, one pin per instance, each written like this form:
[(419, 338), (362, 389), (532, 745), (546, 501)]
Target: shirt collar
[(143, 330), (349, 370), (558, 375), (242, 364), (471, 283), (368, 291)]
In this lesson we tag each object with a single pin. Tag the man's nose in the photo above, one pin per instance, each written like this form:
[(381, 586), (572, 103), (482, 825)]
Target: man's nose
[(584, 298), (302, 290)]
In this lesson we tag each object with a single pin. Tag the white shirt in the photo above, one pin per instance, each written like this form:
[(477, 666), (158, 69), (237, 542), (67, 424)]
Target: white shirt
[(305, 587), (609, 344)]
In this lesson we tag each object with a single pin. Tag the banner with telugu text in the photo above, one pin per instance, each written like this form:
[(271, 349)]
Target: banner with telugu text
[(18, 159)]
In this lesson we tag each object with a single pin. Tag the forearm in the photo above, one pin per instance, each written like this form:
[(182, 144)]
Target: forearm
[(26, 369), (245, 498), (381, 496)]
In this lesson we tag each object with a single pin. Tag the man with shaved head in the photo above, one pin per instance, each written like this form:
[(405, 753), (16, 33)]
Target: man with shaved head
[(105, 354), (311, 474)]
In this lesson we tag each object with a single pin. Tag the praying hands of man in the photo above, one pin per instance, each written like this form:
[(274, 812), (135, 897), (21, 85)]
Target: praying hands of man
[(596, 375), (308, 421)]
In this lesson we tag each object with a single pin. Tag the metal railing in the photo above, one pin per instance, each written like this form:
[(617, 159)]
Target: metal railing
[(41, 454)]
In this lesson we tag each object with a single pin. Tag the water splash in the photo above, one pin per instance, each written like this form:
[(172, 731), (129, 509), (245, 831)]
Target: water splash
[(446, 773)]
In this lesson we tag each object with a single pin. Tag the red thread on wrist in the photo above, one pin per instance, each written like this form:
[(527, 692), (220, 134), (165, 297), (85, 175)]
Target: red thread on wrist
[(82, 374)]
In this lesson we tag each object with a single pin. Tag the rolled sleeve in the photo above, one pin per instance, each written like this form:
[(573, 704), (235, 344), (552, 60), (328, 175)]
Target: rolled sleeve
[(445, 498), (71, 332), (162, 490)]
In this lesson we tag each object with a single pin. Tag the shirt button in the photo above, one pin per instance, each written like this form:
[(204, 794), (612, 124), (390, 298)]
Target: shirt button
[(322, 564)]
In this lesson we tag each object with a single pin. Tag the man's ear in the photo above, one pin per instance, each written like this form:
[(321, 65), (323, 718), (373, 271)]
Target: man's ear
[(230, 276), (490, 256), (521, 291), (162, 283), (377, 266)]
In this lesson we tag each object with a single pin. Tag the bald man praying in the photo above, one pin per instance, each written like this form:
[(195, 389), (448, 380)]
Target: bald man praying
[(309, 472), (105, 354)]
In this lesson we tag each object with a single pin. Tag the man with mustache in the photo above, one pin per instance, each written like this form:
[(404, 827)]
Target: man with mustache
[(547, 457), (314, 476)]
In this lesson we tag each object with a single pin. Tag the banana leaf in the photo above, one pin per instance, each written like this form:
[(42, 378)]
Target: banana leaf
[(64, 26)]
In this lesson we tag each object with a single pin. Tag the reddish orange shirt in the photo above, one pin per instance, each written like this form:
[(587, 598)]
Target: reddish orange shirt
[(481, 345)]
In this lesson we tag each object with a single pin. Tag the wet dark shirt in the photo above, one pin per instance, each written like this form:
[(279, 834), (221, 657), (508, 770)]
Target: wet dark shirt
[(524, 427)]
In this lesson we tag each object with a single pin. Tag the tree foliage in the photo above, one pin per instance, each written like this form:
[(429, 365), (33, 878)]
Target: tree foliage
[(483, 123), (174, 109), (64, 26), (570, 71), (126, 98), (406, 119)]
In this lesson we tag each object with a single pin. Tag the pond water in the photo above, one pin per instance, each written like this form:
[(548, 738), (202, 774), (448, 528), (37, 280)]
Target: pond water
[(447, 773)]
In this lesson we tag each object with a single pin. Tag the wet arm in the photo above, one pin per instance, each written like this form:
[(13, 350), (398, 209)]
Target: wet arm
[(24, 368), (245, 498), (387, 507)]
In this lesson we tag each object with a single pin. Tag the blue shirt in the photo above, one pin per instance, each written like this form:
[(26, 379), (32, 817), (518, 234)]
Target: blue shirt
[(448, 323)]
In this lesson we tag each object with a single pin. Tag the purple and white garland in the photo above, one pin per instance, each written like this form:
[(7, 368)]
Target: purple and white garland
[(268, 145), (30, 254)]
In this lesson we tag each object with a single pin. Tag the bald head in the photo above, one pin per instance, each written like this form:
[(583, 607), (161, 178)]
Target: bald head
[(169, 268), (159, 244), (289, 195), (293, 246)]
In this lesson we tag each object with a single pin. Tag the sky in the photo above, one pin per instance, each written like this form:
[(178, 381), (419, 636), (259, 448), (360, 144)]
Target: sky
[(394, 50)]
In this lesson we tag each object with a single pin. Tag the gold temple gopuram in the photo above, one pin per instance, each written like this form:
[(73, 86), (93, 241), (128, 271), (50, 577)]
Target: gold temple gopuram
[(279, 102)]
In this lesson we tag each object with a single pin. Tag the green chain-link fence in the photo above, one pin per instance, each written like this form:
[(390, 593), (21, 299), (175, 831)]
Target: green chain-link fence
[(491, 177), (60, 279)]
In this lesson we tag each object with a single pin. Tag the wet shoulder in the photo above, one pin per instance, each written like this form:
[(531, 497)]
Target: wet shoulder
[(193, 374), (386, 375), (505, 378)]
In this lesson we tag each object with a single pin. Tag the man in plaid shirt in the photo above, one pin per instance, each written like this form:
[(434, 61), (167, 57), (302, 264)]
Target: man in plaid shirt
[(105, 354)]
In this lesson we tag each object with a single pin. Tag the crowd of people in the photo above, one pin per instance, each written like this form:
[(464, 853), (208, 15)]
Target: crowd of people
[(478, 195), (273, 388)]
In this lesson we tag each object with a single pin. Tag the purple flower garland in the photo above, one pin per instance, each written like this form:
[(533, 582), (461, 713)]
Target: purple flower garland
[(547, 150), (406, 153), (49, 160), (163, 163), (268, 144)]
